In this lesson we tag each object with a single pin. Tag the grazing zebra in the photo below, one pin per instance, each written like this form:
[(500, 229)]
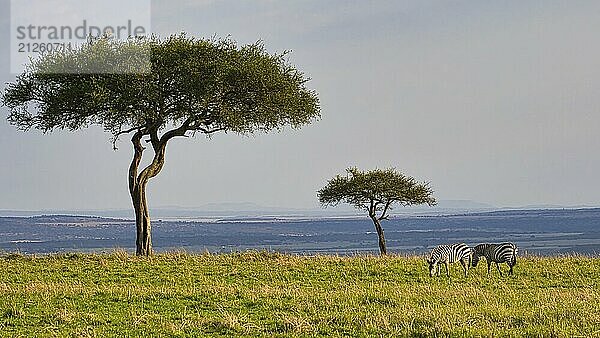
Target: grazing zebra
[(497, 253), (446, 254)]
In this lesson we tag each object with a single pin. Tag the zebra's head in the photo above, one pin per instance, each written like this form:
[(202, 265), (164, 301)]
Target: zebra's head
[(431, 264), (476, 254)]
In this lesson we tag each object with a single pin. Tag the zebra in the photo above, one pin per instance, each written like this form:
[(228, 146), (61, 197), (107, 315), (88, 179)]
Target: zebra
[(497, 253), (445, 254)]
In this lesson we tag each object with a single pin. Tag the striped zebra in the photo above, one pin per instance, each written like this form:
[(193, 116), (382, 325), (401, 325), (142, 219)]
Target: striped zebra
[(445, 254), (497, 253)]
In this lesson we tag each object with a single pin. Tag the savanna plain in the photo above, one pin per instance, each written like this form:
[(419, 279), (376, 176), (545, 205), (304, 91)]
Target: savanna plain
[(278, 295)]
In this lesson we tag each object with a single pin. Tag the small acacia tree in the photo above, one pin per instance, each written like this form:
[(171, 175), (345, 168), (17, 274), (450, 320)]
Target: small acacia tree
[(376, 192), (189, 86)]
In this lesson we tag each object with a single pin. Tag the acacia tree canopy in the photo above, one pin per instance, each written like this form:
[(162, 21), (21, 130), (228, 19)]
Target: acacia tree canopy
[(160, 89), (199, 85), (376, 192)]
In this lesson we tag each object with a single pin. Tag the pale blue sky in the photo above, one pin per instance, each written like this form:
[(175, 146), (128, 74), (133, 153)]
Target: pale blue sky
[(494, 102)]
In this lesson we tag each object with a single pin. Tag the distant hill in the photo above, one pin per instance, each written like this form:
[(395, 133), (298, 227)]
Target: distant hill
[(249, 209)]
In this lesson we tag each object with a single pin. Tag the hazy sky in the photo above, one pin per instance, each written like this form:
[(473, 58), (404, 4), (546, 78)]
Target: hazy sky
[(493, 101)]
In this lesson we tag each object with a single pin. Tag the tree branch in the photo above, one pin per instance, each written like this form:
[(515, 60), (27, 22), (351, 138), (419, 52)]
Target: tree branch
[(385, 209), (138, 149), (159, 145), (210, 131), (154, 139), (179, 131), (155, 166), (377, 203), (372, 208), (115, 138)]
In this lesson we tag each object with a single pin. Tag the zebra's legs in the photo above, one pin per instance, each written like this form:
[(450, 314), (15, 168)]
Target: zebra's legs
[(510, 271), (447, 271), (465, 265), (498, 266), (489, 266)]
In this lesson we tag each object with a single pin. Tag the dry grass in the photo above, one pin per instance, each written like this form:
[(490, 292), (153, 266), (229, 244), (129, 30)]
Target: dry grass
[(264, 294)]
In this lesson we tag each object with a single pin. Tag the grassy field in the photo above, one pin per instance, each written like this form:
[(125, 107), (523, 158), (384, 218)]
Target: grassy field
[(264, 294)]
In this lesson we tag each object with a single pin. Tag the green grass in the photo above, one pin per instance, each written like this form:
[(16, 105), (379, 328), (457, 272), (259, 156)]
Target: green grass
[(263, 294)]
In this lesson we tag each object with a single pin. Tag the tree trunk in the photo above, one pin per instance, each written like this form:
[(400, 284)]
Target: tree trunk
[(382, 248), (143, 243), (137, 190)]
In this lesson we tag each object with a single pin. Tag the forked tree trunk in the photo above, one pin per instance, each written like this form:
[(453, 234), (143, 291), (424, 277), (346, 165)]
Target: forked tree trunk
[(380, 235), (137, 190)]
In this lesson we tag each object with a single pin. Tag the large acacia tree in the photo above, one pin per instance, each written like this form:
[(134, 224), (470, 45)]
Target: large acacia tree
[(158, 89), (376, 192)]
